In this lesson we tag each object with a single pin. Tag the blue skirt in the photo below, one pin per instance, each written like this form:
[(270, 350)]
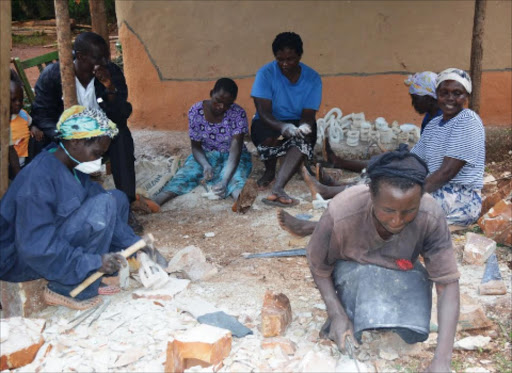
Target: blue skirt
[(189, 176)]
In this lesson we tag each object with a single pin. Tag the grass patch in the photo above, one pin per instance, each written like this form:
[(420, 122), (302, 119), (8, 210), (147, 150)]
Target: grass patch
[(35, 40)]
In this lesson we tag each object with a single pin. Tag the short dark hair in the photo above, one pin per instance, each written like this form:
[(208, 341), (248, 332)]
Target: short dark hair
[(400, 182), (226, 85), (85, 40), (15, 78), (287, 40), (399, 168)]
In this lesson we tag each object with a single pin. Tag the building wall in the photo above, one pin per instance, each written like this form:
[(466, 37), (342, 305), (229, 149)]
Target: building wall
[(174, 52)]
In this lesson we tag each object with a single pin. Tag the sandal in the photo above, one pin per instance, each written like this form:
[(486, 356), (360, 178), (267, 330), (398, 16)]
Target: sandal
[(281, 201), (108, 289), (54, 299)]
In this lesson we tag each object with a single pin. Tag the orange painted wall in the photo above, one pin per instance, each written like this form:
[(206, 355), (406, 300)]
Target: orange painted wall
[(164, 105)]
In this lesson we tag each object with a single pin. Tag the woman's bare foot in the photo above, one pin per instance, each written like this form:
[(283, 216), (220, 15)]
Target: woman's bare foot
[(326, 192), (297, 227)]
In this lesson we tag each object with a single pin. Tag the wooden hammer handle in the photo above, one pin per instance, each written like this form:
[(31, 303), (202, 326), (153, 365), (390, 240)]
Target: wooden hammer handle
[(125, 253)]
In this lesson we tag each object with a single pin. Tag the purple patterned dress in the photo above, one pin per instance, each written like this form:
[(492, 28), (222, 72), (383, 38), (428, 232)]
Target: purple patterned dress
[(215, 140)]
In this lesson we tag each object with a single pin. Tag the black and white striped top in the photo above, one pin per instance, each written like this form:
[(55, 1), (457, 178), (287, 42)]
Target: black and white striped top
[(463, 138)]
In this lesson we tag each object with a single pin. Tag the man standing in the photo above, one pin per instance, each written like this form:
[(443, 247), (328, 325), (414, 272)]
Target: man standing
[(364, 252), (100, 84)]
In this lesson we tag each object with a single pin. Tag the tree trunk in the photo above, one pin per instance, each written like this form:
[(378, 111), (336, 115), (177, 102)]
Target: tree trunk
[(477, 54), (5, 93), (99, 18), (67, 71)]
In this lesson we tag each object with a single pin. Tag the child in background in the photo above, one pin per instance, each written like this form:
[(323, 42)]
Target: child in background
[(20, 129)]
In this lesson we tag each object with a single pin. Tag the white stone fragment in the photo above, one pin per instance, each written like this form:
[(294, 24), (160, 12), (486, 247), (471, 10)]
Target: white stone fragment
[(472, 343)]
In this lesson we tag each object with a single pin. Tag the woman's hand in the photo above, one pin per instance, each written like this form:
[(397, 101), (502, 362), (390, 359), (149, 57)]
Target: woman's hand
[(341, 328), (207, 173), (111, 263), (36, 133), (219, 189), (290, 130)]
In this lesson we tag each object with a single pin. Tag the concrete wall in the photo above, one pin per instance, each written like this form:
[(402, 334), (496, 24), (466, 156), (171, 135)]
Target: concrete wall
[(174, 51)]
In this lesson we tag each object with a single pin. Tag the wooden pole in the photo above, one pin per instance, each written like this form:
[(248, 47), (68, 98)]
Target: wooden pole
[(99, 18), (477, 52), (67, 71), (5, 93)]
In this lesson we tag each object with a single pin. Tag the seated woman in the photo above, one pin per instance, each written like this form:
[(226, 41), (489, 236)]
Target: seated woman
[(55, 223), (422, 88), (287, 95), (219, 158), (453, 147)]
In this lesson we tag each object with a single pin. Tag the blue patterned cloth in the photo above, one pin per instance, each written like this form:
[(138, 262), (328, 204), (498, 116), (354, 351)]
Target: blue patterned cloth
[(461, 204), (189, 176)]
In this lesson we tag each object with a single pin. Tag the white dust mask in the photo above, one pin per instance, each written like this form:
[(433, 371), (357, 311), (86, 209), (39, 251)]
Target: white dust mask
[(89, 167)]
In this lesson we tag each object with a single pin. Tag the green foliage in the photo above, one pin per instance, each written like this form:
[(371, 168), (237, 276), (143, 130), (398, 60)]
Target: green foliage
[(44, 9), (36, 39)]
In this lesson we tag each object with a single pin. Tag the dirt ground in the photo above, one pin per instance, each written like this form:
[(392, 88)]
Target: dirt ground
[(241, 283)]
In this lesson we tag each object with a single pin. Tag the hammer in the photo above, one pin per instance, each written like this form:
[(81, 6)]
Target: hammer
[(146, 240)]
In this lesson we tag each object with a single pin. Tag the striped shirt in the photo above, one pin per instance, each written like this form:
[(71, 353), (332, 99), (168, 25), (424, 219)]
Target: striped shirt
[(463, 138)]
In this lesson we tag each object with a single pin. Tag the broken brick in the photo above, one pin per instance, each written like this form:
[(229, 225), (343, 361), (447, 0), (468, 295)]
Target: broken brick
[(285, 344), (496, 223), (478, 248), (497, 196), (276, 314), (24, 340), (493, 287), (22, 298), (203, 345), (472, 316)]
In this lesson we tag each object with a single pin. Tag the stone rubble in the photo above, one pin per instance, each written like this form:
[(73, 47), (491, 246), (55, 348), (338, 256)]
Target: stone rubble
[(478, 248), (497, 222), (472, 343), (191, 262), (22, 342)]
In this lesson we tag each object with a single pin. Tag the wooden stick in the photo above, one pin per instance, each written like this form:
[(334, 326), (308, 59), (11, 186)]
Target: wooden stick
[(477, 52), (67, 72), (5, 93), (125, 253)]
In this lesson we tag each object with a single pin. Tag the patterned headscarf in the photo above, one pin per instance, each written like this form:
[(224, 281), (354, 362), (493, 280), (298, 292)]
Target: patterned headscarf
[(422, 84), (79, 122), (455, 74)]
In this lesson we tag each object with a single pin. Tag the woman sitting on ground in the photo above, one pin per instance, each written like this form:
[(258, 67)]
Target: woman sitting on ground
[(422, 88), (56, 224), (453, 147), (219, 158), (287, 95)]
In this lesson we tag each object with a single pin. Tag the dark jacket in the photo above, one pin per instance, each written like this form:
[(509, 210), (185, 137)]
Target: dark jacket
[(49, 105)]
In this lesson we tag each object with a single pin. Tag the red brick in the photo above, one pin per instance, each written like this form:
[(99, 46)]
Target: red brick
[(496, 224), (203, 345), (497, 196), (22, 298), (276, 314)]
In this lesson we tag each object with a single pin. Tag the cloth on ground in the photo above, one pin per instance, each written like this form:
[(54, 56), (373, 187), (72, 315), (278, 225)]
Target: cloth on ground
[(223, 320), (379, 298)]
